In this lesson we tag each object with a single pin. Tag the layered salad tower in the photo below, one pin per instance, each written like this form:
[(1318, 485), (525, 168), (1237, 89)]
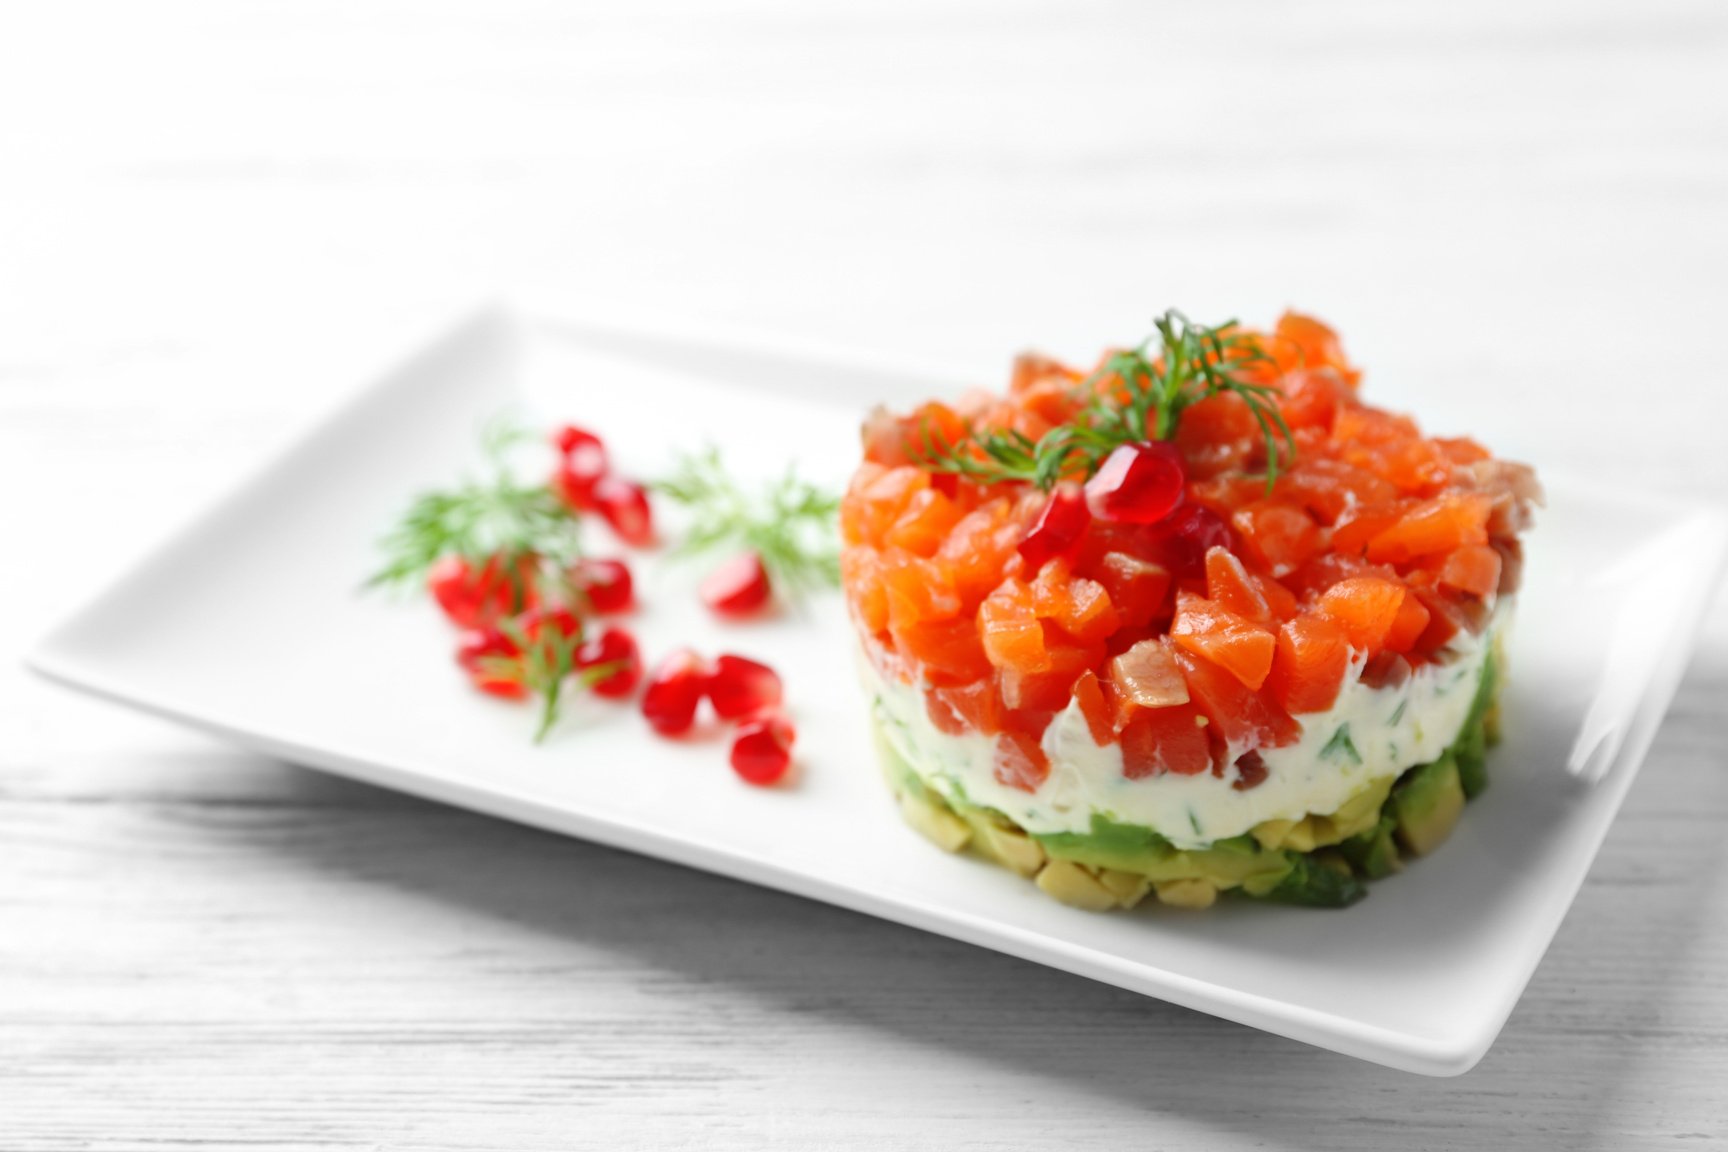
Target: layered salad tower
[(1199, 620)]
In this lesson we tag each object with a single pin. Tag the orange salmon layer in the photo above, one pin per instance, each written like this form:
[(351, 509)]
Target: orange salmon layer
[(1193, 642)]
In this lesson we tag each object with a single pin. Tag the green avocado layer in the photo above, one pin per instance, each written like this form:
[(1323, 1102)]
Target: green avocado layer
[(1322, 861)]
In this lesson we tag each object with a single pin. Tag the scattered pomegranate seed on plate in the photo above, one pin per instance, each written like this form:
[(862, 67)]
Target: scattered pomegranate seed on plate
[(674, 690), (613, 646), (624, 505), (738, 687), (492, 661), (739, 587), (582, 466), (762, 748), (605, 586)]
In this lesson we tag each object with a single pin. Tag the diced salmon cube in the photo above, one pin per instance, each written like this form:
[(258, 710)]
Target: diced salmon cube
[(1244, 718), (861, 572), (1473, 569), (1079, 606), (1147, 676), (1163, 741), (1214, 633), (1229, 584), (1089, 697), (1309, 667), (1407, 626), (1012, 634), (1280, 536), (1049, 689), (1365, 607), (1139, 589), (1020, 760), (1433, 527), (915, 591), (950, 650), (1303, 342), (973, 707), (926, 522)]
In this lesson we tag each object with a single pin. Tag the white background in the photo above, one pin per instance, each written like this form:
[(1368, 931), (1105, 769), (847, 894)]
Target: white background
[(1518, 215)]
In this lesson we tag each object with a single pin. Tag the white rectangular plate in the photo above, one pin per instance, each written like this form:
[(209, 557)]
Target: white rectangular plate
[(251, 625)]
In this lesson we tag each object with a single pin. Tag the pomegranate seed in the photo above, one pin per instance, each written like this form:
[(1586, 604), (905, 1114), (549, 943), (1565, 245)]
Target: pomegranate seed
[(534, 621), (624, 504), (1058, 528), (674, 691), (575, 489), (738, 587), (451, 584), (762, 748), (738, 687), (492, 661), (1137, 483), (582, 467), (1186, 536), (476, 598), (569, 440), (613, 646), (605, 586)]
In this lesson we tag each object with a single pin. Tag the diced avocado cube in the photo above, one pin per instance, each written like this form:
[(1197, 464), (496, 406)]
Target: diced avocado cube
[(1129, 887), (1312, 883), (1333, 860), (1009, 847), (1270, 834), (934, 821), (1228, 868), (1187, 893), (1279, 865), (1471, 752), (1108, 844), (1427, 803), (1075, 886), (1479, 733), (1373, 853), (1361, 811)]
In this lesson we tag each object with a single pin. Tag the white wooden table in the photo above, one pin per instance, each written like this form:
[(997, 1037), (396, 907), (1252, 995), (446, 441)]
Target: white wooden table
[(1518, 214)]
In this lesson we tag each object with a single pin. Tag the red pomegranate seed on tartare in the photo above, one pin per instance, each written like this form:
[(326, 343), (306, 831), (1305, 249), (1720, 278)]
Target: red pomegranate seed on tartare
[(1138, 483), (1187, 535), (1059, 527)]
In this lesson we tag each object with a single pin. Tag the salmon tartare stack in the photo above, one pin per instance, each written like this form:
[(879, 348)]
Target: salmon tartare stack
[(1199, 620)]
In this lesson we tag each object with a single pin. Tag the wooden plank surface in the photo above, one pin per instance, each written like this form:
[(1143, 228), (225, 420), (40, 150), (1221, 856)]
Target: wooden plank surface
[(1515, 213)]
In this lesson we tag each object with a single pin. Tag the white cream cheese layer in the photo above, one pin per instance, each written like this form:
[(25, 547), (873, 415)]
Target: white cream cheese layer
[(1384, 731)]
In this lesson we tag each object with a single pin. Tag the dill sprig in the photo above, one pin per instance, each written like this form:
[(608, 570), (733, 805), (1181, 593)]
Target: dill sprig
[(789, 523), (1136, 395), (494, 515), (546, 662)]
